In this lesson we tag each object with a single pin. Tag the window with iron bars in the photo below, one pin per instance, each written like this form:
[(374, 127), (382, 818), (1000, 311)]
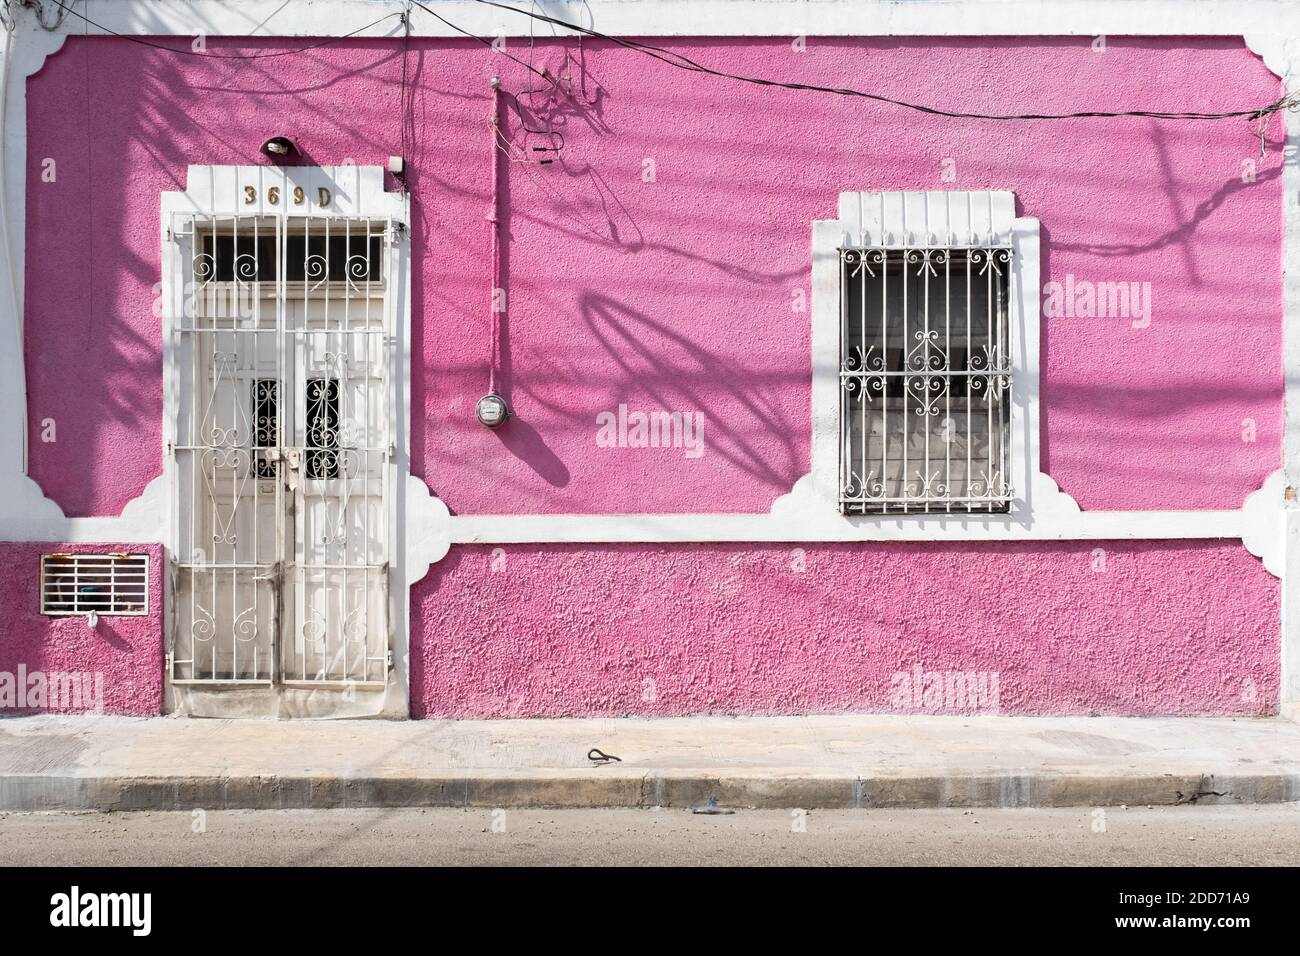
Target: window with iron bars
[(925, 380)]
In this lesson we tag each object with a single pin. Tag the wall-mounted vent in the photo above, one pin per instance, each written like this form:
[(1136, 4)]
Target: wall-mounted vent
[(98, 583)]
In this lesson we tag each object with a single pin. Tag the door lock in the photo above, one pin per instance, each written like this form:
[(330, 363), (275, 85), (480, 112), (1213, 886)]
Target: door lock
[(272, 575), (292, 457)]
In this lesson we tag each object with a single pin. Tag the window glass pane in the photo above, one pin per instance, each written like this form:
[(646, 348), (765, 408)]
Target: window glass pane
[(266, 424), (352, 255), (322, 427)]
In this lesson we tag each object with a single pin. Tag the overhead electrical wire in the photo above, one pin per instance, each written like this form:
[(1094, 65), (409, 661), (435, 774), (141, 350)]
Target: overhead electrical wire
[(555, 136), (485, 41), (681, 61)]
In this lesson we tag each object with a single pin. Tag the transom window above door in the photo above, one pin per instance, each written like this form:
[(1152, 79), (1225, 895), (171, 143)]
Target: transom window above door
[(352, 253)]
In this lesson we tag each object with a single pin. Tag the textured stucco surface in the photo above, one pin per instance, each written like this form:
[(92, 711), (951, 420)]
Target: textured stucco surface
[(127, 651), (680, 293), (558, 631)]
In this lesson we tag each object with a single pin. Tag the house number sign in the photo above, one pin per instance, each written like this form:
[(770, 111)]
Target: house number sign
[(298, 196)]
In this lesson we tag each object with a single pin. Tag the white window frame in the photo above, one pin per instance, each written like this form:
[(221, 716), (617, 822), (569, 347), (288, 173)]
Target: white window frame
[(936, 220), (350, 191)]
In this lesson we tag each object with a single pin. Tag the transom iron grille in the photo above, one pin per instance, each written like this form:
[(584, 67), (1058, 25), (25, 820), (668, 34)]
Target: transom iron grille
[(925, 380), (102, 583), (282, 350)]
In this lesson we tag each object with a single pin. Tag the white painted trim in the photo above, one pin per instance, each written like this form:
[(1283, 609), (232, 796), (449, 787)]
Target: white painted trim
[(1281, 52), (427, 527), (899, 220), (25, 512), (1263, 523), (792, 523), (220, 190), (398, 691), (1084, 18), (1289, 679)]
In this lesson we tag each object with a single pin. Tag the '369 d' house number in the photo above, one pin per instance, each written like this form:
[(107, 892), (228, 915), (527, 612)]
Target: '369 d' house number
[(297, 198)]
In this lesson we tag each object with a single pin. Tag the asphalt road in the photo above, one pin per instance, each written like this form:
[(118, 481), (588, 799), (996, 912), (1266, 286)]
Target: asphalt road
[(1190, 835)]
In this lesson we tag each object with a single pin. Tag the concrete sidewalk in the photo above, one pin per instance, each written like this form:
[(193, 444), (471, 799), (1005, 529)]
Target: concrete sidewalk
[(111, 763)]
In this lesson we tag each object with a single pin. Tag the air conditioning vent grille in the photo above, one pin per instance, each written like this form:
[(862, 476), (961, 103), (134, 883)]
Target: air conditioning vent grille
[(99, 583)]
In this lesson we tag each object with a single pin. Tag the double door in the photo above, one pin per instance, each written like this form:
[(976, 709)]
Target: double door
[(283, 454)]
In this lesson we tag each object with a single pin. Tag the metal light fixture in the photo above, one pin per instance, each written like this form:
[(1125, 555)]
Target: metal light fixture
[(279, 147), (492, 410)]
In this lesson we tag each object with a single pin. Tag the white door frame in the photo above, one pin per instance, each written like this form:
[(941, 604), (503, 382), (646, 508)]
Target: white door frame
[(339, 191)]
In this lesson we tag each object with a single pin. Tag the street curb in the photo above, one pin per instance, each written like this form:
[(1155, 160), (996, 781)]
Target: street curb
[(596, 789)]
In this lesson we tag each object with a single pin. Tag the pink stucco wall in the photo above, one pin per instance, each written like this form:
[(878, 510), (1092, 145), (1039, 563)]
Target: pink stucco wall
[(1171, 628), (677, 294), (127, 651)]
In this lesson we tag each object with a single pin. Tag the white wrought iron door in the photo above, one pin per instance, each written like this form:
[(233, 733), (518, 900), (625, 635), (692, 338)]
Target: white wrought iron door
[(282, 453)]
